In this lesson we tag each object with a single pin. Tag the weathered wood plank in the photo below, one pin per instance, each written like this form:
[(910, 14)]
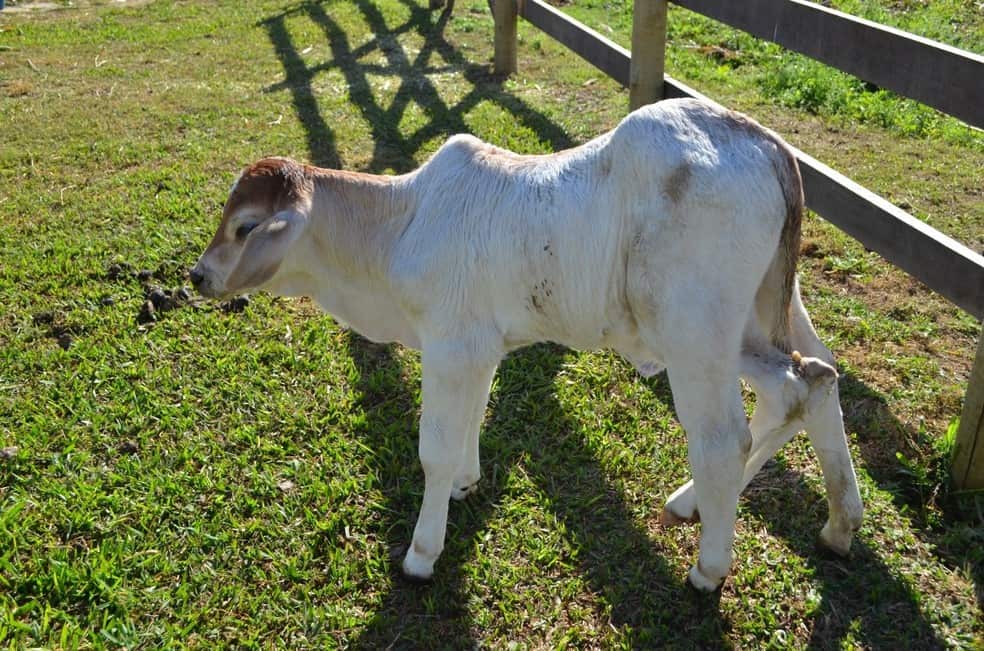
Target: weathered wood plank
[(612, 59), (945, 265), (506, 43), (648, 52), (968, 456), (935, 74)]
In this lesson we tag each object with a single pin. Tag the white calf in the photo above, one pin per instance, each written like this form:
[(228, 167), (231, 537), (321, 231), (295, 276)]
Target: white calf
[(672, 239)]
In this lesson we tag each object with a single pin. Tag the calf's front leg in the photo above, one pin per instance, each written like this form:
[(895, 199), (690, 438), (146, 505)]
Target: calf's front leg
[(455, 387)]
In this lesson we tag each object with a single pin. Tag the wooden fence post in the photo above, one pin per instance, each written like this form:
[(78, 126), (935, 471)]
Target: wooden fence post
[(968, 457), (505, 15), (648, 52)]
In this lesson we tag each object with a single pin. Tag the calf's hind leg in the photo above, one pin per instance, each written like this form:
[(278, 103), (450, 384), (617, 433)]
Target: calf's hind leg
[(794, 395), (708, 403)]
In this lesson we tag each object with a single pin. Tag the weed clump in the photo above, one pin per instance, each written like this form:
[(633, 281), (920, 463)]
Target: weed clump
[(813, 87)]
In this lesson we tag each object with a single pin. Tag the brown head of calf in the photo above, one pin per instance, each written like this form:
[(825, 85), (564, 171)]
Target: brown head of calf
[(266, 212)]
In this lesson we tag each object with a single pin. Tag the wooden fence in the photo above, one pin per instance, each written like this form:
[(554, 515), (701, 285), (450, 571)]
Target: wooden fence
[(935, 74)]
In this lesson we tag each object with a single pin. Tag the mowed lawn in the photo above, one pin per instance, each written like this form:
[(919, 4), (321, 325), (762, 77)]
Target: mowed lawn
[(244, 475)]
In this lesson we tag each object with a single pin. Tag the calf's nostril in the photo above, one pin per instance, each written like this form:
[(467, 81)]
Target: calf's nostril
[(196, 277)]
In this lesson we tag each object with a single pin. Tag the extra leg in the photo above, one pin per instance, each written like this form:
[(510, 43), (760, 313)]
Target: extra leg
[(787, 392), (794, 395), (454, 388), (825, 428)]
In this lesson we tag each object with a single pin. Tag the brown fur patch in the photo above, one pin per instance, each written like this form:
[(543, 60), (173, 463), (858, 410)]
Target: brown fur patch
[(791, 236), (271, 185), (605, 168), (356, 195), (677, 183)]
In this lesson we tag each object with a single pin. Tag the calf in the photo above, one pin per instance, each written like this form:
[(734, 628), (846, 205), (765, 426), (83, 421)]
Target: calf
[(672, 239)]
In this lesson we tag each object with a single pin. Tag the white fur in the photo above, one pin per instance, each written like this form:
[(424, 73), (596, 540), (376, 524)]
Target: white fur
[(651, 240)]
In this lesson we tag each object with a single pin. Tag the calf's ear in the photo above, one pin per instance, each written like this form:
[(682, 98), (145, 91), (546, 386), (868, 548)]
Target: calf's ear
[(264, 250)]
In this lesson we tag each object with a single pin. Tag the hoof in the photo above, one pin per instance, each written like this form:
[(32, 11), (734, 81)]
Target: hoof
[(413, 579), (837, 544), (701, 582), (813, 369), (459, 494), (416, 569), (670, 519)]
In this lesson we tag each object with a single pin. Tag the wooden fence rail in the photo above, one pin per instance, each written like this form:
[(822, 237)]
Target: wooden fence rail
[(943, 264), (935, 74)]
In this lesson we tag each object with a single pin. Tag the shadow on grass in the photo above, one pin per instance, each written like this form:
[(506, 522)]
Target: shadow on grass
[(392, 150), (648, 599), (411, 616), (945, 521), (620, 561), (862, 601)]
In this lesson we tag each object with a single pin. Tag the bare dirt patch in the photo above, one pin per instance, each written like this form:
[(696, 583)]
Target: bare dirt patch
[(28, 6), (16, 88)]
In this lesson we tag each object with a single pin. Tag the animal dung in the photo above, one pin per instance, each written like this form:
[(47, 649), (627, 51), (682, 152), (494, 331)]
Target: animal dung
[(43, 318), (63, 333), (118, 270), (160, 298), (237, 304), (128, 447), (147, 312)]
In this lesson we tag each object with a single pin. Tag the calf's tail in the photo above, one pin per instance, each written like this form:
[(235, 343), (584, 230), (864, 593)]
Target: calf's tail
[(774, 296)]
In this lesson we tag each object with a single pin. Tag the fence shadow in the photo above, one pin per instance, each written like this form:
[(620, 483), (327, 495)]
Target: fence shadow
[(647, 597), (391, 149)]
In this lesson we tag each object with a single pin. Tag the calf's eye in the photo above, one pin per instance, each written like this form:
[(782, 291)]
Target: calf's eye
[(243, 231)]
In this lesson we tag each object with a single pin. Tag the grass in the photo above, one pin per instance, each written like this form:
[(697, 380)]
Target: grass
[(247, 479)]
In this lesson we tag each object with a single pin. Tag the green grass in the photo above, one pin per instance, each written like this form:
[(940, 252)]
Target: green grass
[(248, 479)]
